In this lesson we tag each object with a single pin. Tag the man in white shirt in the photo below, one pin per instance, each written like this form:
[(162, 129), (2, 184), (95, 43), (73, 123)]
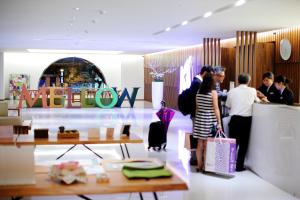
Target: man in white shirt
[(240, 101)]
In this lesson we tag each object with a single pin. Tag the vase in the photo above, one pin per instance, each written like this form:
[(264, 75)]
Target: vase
[(157, 93)]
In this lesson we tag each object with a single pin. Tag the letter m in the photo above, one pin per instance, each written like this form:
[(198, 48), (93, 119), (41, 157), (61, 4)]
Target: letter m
[(25, 95)]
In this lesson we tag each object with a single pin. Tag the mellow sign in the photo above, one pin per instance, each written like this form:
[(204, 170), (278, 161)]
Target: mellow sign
[(41, 95)]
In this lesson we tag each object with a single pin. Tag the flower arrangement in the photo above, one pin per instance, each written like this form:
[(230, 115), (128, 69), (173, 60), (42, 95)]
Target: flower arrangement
[(157, 73)]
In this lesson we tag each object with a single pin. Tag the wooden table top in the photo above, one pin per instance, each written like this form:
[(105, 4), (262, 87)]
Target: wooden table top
[(118, 183), (29, 139)]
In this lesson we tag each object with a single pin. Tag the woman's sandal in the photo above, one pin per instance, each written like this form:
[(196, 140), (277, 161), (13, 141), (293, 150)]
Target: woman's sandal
[(198, 169)]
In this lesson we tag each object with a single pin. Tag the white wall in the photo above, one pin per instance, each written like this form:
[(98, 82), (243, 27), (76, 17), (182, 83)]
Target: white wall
[(2, 83), (133, 74), (119, 70)]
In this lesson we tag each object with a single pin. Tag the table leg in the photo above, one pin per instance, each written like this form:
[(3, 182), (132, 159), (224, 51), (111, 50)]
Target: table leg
[(16, 198), (66, 152), (141, 196), (92, 151), (122, 151), (84, 197), (155, 196), (127, 150)]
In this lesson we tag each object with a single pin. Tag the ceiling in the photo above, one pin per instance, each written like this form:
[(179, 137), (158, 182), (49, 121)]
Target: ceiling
[(131, 26)]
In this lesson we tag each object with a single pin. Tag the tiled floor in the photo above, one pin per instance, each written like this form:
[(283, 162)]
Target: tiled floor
[(245, 185)]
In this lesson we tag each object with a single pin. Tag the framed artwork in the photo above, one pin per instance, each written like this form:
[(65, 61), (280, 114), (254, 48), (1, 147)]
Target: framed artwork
[(16, 81)]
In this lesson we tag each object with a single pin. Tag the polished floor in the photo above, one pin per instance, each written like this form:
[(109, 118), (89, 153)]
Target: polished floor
[(244, 186)]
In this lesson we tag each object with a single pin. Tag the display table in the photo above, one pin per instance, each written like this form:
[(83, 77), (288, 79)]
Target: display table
[(274, 148), (18, 154), (118, 183), (83, 140)]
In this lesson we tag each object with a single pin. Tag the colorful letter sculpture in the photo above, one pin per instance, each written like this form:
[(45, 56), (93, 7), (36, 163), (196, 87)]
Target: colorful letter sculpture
[(113, 94), (104, 94), (25, 95)]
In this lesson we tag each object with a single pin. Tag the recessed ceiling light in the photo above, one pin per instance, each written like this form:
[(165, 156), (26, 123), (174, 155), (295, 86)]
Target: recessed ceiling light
[(184, 23), (207, 14), (73, 51), (239, 2), (77, 9)]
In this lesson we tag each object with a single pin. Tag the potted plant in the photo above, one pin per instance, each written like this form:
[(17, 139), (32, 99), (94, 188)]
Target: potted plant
[(157, 73)]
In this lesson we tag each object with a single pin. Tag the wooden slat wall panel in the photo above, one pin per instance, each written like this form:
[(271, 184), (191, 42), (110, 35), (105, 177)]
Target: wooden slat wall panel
[(211, 51), (228, 61), (292, 34), (176, 59), (242, 54), (246, 61), (245, 53), (253, 73), (264, 60), (266, 37), (250, 56), (237, 55)]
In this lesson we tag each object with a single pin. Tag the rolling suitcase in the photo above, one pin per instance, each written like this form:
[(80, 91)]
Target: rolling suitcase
[(157, 137)]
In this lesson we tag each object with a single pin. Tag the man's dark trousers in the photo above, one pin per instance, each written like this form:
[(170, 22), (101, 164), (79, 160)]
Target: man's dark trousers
[(239, 128)]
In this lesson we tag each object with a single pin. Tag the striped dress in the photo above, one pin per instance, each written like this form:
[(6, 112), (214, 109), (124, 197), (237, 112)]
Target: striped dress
[(205, 116)]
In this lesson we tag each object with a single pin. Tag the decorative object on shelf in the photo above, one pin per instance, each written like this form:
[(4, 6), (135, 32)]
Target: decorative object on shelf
[(110, 133), (102, 178), (61, 129), (285, 49), (41, 133), (68, 172), (94, 133), (157, 73), (68, 134), (125, 130)]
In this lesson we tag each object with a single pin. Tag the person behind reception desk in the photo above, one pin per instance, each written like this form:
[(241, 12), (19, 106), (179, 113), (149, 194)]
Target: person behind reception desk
[(240, 101), (286, 95), (267, 89)]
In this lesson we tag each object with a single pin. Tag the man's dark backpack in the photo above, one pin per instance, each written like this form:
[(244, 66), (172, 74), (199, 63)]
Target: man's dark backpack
[(185, 102)]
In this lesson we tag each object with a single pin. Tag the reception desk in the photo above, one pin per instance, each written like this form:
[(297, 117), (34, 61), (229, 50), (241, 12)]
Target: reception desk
[(274, 147)]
